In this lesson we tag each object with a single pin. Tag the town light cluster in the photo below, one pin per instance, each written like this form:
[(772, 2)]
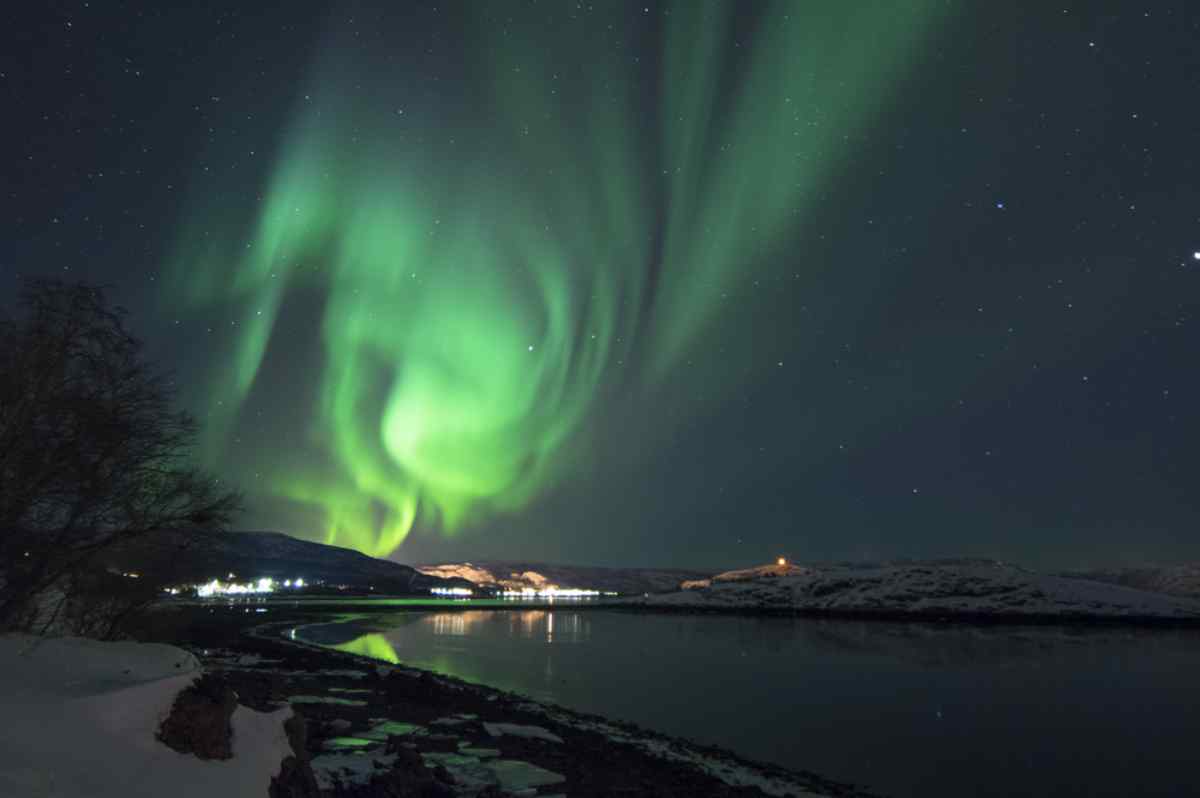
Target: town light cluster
[(264, 585), (451, 591), (549, 592)]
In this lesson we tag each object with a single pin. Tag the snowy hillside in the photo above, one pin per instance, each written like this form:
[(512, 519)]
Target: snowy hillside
[(1175, 580), (941, 588), (514, 575)]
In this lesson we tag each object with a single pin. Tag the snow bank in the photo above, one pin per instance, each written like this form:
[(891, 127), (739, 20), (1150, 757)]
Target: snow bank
[(80, 718)]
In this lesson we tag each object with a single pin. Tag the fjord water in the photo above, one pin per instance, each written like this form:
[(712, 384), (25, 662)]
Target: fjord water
[(903, 709)]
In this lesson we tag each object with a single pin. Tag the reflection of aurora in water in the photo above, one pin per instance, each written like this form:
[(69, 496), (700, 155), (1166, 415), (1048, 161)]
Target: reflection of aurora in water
[(454, 293), (406, 630), (528, 624), (371, 645)]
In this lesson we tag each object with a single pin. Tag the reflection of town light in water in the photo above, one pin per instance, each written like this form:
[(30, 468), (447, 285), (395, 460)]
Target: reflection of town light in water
[(449, 624), (579, 628), (569, 628), (530, 621), (456, 624)]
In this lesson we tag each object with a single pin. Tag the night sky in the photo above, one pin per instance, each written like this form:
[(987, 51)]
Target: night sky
[(688, 284)]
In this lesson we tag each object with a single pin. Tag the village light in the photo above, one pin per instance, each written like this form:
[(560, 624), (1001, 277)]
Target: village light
[(218, 588), (549, 592), (450, 591), (782, 561)]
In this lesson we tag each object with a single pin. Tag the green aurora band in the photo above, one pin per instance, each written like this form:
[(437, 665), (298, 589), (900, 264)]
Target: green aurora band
[(487, 271)]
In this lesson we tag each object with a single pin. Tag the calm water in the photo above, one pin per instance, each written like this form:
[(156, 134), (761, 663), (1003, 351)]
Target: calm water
[(906, 710)]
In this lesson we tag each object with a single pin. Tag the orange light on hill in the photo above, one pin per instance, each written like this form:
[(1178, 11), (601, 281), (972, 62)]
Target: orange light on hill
[(781, 561)]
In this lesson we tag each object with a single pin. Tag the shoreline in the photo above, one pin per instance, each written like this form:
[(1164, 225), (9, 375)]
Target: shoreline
[(453, 748), (933, 617), (377, 604)]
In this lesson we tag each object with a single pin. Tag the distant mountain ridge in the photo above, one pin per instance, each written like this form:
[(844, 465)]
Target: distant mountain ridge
[(174, 557)]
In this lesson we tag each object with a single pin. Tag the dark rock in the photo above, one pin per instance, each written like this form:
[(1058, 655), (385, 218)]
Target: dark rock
[(297, 733), (408, 778), (439, 742), (423, 689), (199, 720), (295, 779)]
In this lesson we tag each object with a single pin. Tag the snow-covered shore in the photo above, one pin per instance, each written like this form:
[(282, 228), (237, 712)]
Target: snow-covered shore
[(941, 588), (80, 718)]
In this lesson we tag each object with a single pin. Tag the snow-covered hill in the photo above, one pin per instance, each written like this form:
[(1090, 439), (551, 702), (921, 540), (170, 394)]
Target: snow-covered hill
[(513, 575), (931, 588), (1175, 580)]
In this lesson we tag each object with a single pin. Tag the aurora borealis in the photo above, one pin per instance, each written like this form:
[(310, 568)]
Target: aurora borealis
[(691, 283), (480, 297)]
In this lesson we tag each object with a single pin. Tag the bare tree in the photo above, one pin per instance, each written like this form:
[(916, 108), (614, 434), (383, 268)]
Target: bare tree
[(91, 451)]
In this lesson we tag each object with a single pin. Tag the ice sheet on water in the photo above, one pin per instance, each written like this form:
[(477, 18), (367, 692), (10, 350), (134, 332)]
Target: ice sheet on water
[(326, 699), (520, 730)]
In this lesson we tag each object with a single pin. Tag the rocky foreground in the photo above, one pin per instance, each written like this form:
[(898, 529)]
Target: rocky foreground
[(977, 590), (363, 728)]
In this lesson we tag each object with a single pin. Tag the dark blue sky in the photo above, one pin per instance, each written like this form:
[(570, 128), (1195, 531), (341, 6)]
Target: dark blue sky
[(992, 352)]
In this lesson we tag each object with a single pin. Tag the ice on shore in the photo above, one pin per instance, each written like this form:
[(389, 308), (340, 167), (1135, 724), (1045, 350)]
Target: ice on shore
[(519, 730), (326, 699)]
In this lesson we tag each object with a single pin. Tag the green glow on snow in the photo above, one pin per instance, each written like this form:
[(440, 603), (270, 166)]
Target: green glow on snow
[(483, 286)]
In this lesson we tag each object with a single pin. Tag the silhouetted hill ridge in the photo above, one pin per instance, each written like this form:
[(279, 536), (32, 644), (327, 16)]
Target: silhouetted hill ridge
[(185, 557)]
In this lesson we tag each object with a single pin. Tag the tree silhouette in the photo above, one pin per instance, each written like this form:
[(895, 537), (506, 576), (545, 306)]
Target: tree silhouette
[(91, 451)]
